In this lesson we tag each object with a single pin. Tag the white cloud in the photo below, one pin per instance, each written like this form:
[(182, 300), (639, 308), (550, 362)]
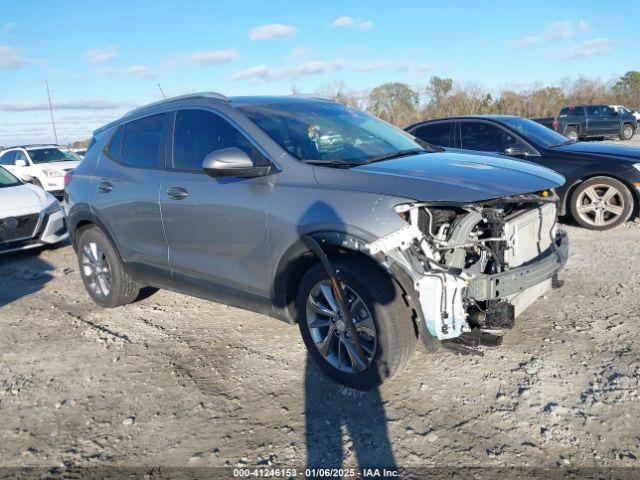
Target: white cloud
[(296, 54), (270, 31), (415, 69), (10, 26), (212, 57), (590, 48), (262, 73), (342, 22), (372, 66), (63, 105), (102, 55), (10, 58), (554, 31)]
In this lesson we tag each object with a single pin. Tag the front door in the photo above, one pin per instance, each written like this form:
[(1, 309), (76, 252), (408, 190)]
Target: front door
[(216, 228)]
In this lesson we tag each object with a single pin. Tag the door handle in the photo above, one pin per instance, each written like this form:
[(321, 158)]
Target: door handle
[(105, 187), (177, 193)]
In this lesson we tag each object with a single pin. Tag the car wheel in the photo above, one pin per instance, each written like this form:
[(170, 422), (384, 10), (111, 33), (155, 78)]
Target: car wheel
[(381, 317), (572, 134), (626, 132), (102, 271), (601, 203)]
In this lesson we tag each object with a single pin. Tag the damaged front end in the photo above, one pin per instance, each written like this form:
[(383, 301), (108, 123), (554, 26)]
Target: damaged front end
[(477, 265)]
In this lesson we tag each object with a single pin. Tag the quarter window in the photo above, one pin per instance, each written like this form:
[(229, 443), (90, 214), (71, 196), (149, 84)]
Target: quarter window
[(115, 146), (142, 142), (198, 133), (487, 137), (436, 133)]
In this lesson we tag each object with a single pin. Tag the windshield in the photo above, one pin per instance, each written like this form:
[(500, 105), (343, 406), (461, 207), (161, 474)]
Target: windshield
[(534, 132), (7, 179), (52, 155), (327, 131)]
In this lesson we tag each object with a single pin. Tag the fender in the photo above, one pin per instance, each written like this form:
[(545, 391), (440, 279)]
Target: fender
[(84, 214)]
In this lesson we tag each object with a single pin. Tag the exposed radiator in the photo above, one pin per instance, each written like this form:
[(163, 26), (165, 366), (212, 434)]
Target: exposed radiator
[(529, 233)]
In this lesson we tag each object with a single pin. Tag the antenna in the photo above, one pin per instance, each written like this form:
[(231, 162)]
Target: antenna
[(161, 91), (53, 122)]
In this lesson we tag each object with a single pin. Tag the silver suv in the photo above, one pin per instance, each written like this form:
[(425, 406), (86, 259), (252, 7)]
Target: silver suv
[(315, 213)]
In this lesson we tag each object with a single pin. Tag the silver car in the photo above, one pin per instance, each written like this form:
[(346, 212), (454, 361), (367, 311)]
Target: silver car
[(315, 213)]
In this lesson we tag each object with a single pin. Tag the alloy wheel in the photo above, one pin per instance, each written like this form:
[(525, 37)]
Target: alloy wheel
[(329, 330), (97, 270), (627, 132), (600, 205)]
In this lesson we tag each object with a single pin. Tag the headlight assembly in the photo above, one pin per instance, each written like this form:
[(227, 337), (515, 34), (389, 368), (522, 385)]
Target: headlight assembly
[(53, 207), (50, 172)]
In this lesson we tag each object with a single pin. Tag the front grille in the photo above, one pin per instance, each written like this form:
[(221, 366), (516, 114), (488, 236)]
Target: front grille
[(18, 228)]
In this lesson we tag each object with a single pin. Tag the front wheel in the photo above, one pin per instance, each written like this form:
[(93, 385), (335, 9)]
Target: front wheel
[(381, 317), (626, 132), (572, 134), (601, 203)]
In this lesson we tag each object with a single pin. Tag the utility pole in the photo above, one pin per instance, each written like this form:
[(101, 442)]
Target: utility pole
[(53, 122), (161, 91)]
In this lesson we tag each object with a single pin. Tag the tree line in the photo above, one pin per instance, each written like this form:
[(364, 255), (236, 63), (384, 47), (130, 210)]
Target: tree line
[(402, 104)]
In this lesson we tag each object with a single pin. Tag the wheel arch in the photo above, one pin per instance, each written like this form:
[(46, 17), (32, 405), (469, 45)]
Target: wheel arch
[(298, 258), (576, 125), (83, 220)]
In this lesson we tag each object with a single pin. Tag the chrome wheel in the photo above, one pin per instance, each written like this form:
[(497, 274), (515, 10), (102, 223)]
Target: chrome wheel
[(572, 135), (627, 132), (600, 205), (96, 269), (329, 330)]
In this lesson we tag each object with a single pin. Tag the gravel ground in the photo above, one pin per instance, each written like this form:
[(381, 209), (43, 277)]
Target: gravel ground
[(177, 381)]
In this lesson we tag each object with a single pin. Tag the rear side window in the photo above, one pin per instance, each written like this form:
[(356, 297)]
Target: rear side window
[(578, 112), (142, 142), (594, 110), (8, 158), (564, 112), (198, 133), (439, 134)]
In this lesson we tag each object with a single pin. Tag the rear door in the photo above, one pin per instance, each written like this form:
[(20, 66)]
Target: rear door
[(125, 194), (596, 121), (216, 227), (436, 133)]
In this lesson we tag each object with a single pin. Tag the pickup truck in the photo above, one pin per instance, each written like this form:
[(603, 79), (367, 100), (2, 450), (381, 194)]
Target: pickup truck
[(584, 121)]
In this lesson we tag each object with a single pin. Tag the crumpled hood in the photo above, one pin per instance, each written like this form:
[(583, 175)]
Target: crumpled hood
[(599, 150), (58, 165), (443, 177), (22, 200)]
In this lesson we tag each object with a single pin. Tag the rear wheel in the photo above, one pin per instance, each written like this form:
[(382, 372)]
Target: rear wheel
[(572, 133), (626, 132), (103, 274), (601, 203), (382, 320)]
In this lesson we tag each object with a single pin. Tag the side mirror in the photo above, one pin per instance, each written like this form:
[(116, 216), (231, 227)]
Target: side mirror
[(516, 151), (20, 163), (233, 162), (26, 178)]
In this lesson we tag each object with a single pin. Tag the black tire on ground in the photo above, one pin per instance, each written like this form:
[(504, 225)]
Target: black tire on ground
[(625, 202), (396, 339), (572, 133), (626, 132), (123, 289)]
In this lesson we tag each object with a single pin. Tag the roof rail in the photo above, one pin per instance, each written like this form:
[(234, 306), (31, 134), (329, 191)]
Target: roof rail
[(214, 95)]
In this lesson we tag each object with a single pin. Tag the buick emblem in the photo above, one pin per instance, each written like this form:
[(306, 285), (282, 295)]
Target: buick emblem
[(10, 223)]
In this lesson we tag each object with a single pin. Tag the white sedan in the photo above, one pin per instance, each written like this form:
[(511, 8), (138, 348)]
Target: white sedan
[(46, 164), (29, 216)]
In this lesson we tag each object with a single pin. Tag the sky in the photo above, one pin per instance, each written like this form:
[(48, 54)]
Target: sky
[(102, 59)]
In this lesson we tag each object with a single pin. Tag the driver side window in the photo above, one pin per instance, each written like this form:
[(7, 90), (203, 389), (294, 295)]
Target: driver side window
[(21, 156), (485, 137), (198, 133)]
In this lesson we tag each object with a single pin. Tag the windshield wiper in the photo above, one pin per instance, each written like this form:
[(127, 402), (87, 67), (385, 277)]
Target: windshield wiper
[(401, 153), (332, 163)]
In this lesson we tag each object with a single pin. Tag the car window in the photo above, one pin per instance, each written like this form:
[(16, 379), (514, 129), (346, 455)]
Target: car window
[(115, 145), (486, 137), (436, 133), (594, 110), (8, 158), (8, 180), (607, 111), (198, 133), (564, 112), (52, 155), (21, 156), (578, 112), (142, 142)]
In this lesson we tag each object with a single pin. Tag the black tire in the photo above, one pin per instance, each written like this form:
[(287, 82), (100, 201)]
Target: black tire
[(624, 203), (572, 133), (396, 337), (123, 289), (626, 132)]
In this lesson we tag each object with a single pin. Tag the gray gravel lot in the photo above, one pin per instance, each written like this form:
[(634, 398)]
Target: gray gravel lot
[(177, 381)]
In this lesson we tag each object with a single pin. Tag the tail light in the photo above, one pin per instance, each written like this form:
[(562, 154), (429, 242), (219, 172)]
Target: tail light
[(556, 124), (67, 177)]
